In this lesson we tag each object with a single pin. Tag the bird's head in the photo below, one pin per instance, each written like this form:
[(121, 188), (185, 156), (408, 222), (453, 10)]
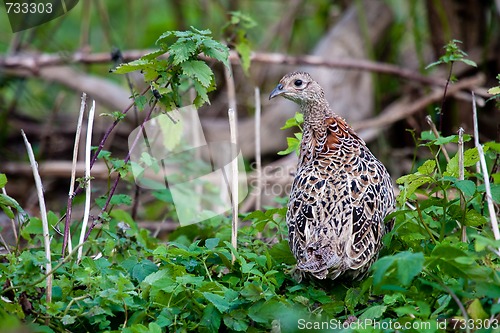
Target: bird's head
[(298, 87)]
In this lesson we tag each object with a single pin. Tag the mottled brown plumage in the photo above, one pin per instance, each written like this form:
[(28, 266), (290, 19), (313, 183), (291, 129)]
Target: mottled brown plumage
[(341, 192)]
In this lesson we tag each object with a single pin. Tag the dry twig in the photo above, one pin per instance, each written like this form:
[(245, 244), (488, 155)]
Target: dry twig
[(486, 177), (258, 161), (67, 233), (43, 215), (234, 178), (88, 193)]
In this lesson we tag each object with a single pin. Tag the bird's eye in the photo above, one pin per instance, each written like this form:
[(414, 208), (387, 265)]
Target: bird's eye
[(298, 83)]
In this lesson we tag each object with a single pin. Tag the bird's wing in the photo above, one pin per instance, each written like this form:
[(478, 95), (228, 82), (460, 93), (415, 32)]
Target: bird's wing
[(367, 187)]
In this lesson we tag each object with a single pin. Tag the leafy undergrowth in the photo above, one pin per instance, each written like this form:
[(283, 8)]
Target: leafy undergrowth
[(438, 270), (428, 277)]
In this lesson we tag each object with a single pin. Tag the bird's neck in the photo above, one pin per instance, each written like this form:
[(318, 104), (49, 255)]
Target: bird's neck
[(315, 115)]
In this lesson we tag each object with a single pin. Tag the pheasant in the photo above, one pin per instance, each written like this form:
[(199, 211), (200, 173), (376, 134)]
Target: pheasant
[(341, 193)]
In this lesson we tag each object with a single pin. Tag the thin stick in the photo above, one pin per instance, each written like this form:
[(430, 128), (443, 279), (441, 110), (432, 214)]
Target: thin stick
[(231, 90), (67, 232), (436, 134), (43, 215), (234, 178), (491, 208), (258, 160), (461, 175), (86, 213)]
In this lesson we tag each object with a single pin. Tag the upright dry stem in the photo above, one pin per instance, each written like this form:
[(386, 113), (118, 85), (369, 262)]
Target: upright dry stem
[(67, 233), (86, 213), (43, 215), (484, 168), (461, 175), (258, 162), (234, 178)]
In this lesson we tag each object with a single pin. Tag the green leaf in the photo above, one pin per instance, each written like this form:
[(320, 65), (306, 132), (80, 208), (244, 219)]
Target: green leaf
[(216, 50), (142, 269), (476, 311), (201, 94), (3, 180), (244, 51), (408, 266), (474, 218), (293, 145), (172, 133), (140, 101), (352, 298), (468, 62), (211, 318), (139, 64), (6, 203), (182, 50), (373, 312), (68, 320), (212, 243), (494, 90), (153, 55), (198, 69), (281, 253), (468, 187), (218, 301), (481, 243), (427, 168), (252, 292), (117, 199), (296, 120)]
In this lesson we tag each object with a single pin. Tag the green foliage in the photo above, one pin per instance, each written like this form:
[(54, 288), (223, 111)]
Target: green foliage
[(495, 90), (192, 283), (293, 143), (452, 54), (173, 75), (7, 203), (236, 31)]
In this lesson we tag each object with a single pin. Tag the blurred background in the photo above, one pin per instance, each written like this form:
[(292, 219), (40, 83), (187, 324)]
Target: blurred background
[(370, 56)]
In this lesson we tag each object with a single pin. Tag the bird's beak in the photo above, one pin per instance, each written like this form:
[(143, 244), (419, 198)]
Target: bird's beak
[(277, 91)]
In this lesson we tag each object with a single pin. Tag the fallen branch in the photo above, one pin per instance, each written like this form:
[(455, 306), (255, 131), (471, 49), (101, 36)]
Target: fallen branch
[(403, 109), (35, 62)]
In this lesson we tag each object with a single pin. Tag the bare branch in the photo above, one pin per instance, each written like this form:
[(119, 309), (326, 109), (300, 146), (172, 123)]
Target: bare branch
[(402, 110), (34, 62), (43, 215)]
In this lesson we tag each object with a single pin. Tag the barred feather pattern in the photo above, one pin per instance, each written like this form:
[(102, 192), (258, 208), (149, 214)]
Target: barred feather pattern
[(341, 193)]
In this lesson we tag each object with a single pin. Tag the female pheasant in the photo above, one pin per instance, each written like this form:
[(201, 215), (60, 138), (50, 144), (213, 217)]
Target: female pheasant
[(341, 192)]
